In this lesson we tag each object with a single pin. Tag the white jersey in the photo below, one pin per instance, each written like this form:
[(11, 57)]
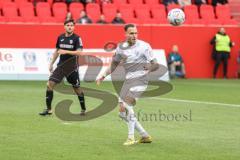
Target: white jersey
[(134, 58)]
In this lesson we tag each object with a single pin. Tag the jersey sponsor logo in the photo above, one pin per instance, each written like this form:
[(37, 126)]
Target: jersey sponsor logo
[(68, 46)]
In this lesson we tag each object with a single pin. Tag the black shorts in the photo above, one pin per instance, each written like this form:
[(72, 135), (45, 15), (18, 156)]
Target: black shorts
[(72, 76)]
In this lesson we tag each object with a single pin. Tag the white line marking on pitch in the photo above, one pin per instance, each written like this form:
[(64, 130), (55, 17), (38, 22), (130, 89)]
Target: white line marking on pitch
[(188, 101), (67, 123), (197, 102)]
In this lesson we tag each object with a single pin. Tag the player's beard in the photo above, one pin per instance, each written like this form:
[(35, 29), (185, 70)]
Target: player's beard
[(69, 33), (131, 42)]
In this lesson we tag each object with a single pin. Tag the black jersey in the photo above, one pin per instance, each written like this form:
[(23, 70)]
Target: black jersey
[(71, 43)]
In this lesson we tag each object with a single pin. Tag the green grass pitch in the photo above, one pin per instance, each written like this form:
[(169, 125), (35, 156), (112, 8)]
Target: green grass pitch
[(210, 131)]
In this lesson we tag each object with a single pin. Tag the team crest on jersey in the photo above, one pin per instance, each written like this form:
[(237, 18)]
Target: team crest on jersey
[(137, 54), (71, 41)]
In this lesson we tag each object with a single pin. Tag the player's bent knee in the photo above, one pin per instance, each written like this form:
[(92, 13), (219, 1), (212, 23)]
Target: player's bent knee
[(121, 107), (78, 91), (130, 101), (50, 85)]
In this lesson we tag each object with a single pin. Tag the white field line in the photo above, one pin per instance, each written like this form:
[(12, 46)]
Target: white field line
[(196, 102), (189, 101)]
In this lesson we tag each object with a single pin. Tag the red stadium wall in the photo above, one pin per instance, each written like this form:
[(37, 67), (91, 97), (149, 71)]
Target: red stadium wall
[(193, 42)]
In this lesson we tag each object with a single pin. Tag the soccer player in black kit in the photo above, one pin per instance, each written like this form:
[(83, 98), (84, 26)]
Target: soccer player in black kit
[(68, 47)]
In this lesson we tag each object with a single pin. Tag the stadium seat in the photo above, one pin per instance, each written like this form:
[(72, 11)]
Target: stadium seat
[(154, 21), (4, 1), (213, 21), (119, 2), (158, 12), (93, 11), (10, 12), (152, 2), (75, 8), (132, 20), (19, 2), (234, 8), (230, 22), (27, 12), (59, 11), (44, 13), (207, 12), (142, 11), (43, 10), (51, 1), (172, 6), (223, 12), (2, 19), (47, 20), (191, 12), (135, 2), (187, 21), (10, 9), (197, 22), (127, 11), (109, 10)]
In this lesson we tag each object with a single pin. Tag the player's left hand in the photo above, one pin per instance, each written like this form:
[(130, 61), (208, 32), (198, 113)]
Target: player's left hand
[(61, 51)]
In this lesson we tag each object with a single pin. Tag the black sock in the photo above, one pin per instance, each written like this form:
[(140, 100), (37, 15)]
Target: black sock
[(82, 101), (49, 97)]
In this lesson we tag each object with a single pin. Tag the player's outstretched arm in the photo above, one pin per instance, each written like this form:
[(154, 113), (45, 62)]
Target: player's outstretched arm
[(107, 72), (54, 58)]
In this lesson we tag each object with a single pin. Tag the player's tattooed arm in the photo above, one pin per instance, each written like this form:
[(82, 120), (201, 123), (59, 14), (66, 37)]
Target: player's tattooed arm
[(54, 58), (75, 53), (153, 66)]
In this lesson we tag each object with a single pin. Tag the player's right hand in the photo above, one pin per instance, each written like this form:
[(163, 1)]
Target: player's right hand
[(99, 80), (50, 68)]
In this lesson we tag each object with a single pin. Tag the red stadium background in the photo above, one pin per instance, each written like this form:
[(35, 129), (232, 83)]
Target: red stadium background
[(193, 41)]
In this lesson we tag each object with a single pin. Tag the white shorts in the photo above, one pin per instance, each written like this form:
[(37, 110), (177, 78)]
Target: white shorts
[(133, 88)]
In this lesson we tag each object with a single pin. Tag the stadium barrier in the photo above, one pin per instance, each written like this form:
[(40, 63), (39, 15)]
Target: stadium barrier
[(193, 41), (32, 64)]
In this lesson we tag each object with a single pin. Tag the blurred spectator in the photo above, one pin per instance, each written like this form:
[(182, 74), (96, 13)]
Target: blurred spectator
[(200, 2), (118, 19), (223, 45), (175, 64), (87, 1), (68, 16), (70, 1), (238, 61), (167, 2), (217, 2), (67, 1), (183, 3), (102, 20), (84, 19), (105, 1)]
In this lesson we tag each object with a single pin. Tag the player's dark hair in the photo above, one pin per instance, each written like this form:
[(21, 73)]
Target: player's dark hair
[(128, 26), (69, 21)]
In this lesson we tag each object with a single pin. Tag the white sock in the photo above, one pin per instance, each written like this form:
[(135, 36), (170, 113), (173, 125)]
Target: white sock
[(131, 121), (140, 129), (137, 126)]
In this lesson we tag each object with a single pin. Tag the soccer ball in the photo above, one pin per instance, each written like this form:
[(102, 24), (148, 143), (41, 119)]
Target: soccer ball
[(176, 17)]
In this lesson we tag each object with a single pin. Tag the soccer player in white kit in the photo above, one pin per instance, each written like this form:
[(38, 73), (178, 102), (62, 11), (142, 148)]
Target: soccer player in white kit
[(137, 60)]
